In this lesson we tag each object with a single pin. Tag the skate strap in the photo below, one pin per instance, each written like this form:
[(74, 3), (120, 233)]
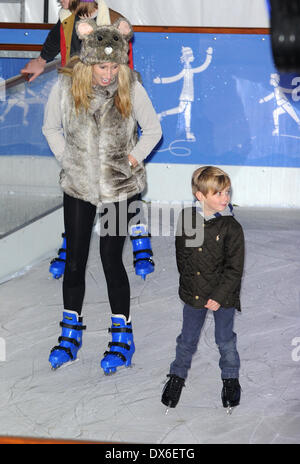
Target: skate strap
[(143, 259), (137, 237), (63, 348), (58, 259), (121, 345), (120, 329), (74, 327), (146, 250), (55, 260), (116, 353), (71, 340)]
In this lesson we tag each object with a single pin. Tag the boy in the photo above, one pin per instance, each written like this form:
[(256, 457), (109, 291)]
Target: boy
[(210, 279)]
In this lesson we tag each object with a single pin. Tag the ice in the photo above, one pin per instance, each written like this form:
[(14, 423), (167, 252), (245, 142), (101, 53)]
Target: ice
[(80, 402)]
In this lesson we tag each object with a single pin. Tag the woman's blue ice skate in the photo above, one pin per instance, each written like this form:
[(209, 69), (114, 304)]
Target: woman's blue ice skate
[(57, 265), (121, 347), (69, 342), (142, 251)]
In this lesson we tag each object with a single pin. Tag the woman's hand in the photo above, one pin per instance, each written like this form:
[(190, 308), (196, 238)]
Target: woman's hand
[(132, 161)]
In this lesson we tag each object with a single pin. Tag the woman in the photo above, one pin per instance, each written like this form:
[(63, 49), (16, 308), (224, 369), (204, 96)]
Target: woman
[(91, 126), (63, 39)]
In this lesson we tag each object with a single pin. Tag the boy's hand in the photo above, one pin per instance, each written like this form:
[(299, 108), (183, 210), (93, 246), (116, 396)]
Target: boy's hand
[(212, 305)]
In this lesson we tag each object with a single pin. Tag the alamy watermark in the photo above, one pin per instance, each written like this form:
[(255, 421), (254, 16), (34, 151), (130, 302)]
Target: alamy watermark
[(296, 90), (163, 219), (296, 350)]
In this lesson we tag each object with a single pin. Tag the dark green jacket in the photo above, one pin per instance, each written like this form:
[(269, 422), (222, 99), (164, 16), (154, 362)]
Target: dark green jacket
[(213, 269)]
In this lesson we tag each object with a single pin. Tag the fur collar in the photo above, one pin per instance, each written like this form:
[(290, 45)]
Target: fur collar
[(64, 14)]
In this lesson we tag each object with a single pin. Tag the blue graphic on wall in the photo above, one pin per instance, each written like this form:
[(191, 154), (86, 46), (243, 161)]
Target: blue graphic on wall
[(283, 106), (220, 99), (187, 96), (218, 96)]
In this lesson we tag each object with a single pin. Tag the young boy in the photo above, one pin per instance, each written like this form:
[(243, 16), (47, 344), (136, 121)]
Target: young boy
[(210, 280)]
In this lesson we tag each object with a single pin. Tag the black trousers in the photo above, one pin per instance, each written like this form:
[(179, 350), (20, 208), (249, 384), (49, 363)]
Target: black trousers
[(79, 219)]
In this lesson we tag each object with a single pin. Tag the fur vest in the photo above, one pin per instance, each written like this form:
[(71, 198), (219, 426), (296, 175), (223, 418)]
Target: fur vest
[(95, 165)]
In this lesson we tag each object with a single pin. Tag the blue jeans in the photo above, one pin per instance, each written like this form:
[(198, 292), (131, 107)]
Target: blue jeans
[(187, 341)]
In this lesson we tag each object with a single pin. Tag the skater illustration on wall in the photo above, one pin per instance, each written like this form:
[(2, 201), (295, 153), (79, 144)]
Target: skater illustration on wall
[(187, 95), (22, 101), (22, 106), (283, 104)]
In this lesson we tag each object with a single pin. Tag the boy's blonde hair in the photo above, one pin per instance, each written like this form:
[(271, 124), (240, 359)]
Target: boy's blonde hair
[(82, 91), (209, 179)]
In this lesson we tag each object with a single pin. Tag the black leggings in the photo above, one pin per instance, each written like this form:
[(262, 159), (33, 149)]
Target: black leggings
[(79, 218)]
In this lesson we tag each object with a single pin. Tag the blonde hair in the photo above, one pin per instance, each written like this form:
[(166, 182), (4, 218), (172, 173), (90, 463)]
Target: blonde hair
[(82, 88), (209, 179), (123, 97)]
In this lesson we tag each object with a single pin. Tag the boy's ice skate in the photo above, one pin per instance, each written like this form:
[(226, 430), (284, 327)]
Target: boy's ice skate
[(231, 394), (172, 391)]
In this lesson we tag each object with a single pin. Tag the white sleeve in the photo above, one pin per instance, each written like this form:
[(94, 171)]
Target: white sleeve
[(52, 127), (148, 121)]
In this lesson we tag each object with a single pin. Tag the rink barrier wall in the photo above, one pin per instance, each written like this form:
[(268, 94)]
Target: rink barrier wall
[(30, 244)]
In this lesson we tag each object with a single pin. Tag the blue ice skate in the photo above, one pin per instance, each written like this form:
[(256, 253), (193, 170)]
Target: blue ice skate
[(57, 265), (121, 347), (142, 250), (69, 342)]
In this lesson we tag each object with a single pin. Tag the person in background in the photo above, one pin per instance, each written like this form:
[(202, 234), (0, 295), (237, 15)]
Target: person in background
[(63, 38)]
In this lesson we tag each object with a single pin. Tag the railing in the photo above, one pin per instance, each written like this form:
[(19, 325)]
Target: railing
[(163, 29), (18, 79), (28, 173)]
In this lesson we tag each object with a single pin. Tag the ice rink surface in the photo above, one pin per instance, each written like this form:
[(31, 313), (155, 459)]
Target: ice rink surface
[(79, 402)]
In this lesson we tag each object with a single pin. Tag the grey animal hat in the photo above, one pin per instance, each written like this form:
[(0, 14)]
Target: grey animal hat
[(104, 43)]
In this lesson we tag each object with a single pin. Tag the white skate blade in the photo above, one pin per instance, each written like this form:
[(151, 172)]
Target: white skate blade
[(110, 373), (64, 365), (168, 407), (118, 369), (229, 410)]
